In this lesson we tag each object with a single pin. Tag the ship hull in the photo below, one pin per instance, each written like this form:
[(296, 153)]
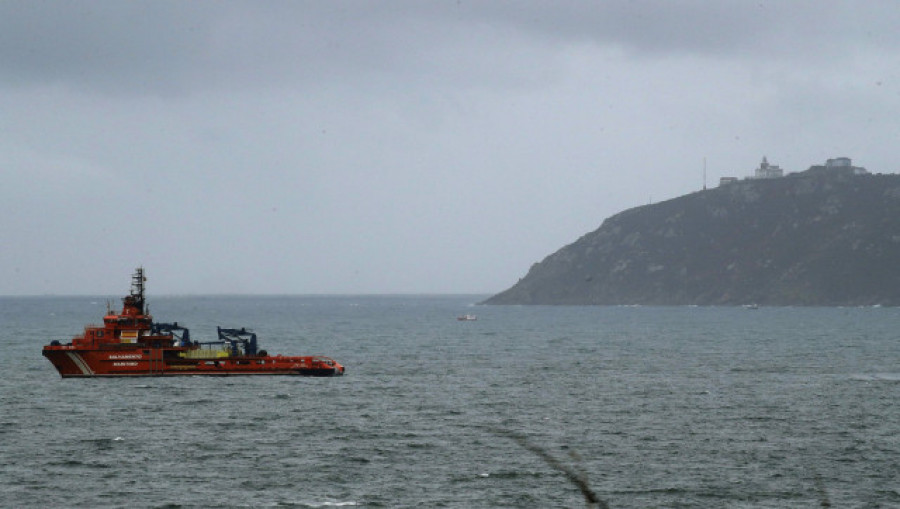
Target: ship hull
[(82, 363)]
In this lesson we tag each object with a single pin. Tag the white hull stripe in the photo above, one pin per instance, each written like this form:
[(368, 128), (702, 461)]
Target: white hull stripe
[(85, 369)]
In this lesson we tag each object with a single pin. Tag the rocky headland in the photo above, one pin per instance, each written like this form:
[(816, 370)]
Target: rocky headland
[(822, 237)]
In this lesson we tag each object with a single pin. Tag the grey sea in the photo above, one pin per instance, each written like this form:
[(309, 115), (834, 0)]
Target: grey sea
[(633, 407)]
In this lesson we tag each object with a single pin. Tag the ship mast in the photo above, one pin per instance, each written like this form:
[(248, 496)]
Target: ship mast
[(136, 299)]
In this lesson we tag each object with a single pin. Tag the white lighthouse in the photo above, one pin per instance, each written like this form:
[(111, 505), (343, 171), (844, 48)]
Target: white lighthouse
[(768, 171)]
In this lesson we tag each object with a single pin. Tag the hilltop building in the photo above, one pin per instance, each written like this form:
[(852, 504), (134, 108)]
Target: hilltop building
[(838, 162), (765, 171), (727, 180), (845, 164), (841, 165), (768, 171)]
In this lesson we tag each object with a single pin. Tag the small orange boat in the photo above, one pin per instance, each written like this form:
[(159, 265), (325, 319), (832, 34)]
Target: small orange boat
[(130, 343)]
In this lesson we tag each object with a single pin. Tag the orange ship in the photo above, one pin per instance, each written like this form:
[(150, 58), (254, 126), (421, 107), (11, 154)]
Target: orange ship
[(132, 344)]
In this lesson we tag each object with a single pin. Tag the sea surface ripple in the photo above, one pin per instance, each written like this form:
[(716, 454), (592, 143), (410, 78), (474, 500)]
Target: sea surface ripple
[(649, 406)]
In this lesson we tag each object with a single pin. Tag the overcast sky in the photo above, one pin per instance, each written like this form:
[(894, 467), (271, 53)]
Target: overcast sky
[(401, 147)]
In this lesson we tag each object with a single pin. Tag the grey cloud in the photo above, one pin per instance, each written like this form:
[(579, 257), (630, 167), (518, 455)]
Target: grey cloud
[(108, 45), (401, 146), (177, 47)]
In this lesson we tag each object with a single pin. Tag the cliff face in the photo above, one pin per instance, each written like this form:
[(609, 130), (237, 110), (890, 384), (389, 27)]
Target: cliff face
[(820, 237)]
